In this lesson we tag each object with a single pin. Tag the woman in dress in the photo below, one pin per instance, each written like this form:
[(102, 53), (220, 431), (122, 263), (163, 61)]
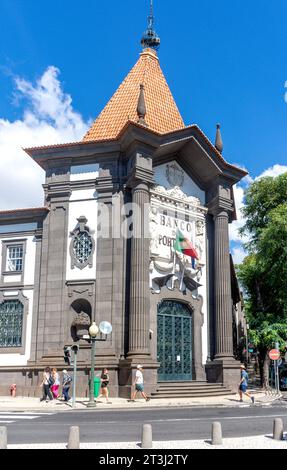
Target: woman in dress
[(56, 384)]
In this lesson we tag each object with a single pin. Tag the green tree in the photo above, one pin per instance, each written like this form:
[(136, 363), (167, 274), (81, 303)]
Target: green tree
[(263, 273)]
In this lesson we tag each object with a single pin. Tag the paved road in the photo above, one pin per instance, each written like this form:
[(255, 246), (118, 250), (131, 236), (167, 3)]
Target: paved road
[(125, 425)]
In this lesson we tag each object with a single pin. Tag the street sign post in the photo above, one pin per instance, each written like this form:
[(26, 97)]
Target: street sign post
[(274, 354)]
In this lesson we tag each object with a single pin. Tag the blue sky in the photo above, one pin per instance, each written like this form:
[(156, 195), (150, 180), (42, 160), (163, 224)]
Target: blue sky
[(224, 61)]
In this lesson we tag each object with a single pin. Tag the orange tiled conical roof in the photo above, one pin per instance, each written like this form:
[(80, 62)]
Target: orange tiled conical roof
[(162, 114)]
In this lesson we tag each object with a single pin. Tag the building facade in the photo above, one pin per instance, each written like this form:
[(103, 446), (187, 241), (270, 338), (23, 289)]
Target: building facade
[(102, 247)]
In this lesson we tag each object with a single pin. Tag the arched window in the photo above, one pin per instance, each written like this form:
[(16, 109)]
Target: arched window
[(11, 323)]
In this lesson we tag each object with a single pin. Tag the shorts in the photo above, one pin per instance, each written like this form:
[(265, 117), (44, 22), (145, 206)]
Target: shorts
[(243, 388), (139, 387)]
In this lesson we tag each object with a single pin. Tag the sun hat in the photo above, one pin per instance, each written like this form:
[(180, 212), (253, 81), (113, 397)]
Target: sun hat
[(65, 371), (139, 366), (242, 366)]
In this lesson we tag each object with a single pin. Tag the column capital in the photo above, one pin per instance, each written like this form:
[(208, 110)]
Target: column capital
[(140, 170), (220, 205)]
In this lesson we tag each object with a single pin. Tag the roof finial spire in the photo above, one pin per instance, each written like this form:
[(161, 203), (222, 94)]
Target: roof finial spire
[(218, 139), (141, 109), (150, 38)]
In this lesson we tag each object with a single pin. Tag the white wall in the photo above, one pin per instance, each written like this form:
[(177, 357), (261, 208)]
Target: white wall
[(82, 202), (30, 259), (189, 187)]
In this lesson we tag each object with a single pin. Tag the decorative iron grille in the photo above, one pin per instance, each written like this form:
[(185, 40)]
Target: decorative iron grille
[(82, 247), (174, 341), (11, 323)]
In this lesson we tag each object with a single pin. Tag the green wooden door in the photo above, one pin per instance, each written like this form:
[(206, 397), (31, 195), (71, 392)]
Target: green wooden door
[(174, 341)]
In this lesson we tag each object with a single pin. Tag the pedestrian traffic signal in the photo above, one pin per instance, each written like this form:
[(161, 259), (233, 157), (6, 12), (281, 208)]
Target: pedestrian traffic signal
[(67, 354), (75, 348)]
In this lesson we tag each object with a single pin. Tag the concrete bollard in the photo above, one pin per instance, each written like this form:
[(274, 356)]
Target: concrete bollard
[(278, 429), (3, 437), (74, 438), (146, 436), (216, 434)]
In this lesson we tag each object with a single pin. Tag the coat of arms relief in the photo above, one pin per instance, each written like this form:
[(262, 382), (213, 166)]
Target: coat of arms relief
[(171, 210)]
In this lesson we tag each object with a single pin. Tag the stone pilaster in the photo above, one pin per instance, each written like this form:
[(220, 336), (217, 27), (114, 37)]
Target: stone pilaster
[(139, 285), (223, 311)]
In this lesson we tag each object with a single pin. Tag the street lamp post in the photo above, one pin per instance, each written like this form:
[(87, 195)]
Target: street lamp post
[(93, 331)]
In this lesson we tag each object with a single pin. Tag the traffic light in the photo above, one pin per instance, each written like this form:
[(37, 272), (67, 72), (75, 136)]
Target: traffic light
[(67, 354), (75, 348)]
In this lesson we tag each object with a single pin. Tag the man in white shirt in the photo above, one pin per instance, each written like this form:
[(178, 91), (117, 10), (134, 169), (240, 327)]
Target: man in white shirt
[(139, 384)]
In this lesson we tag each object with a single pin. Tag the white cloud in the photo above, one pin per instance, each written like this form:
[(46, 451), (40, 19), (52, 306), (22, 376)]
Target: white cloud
[(48, 119), (275, 170), (234, 236), (238, 254)]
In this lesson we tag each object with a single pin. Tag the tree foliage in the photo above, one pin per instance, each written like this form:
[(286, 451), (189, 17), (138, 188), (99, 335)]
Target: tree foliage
[(263, 273)]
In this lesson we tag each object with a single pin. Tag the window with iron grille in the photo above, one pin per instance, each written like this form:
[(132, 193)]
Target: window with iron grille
[(82, 245), (14, 258), (11, 323)]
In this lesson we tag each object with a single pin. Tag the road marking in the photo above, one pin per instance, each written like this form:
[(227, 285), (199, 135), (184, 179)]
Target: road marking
[(18, 417), (25, 413), (5, 422), (199, 419)]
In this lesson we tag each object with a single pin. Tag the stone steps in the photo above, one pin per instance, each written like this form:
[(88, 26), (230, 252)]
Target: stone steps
[(190, 390)]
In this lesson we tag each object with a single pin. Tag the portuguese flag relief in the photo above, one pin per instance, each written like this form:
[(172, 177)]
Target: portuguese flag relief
[(183, 245)]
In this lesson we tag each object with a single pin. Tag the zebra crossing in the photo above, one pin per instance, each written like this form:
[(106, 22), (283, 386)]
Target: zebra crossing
[(8, 417)]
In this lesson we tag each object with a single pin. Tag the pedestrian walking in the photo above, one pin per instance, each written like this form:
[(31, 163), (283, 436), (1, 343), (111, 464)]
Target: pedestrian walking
[(66, 383), (105, 379), (139, 384), (243, 385), (46, 384), (56, 384)]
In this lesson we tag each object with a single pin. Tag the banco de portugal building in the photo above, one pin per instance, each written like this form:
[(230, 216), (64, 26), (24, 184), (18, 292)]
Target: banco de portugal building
[(102, 247)]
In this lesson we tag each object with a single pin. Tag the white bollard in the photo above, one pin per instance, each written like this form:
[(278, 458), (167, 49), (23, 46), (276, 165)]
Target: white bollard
[(3, 437), (278, 429), (216, 434), (146, 436), (74, 438)]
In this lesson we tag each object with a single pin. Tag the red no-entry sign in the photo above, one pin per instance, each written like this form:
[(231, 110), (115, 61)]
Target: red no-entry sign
[(274, 354)]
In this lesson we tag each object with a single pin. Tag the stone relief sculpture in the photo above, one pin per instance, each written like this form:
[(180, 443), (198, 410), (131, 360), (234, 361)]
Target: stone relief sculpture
[(81, 322), (153, 226), (174, 174), (168, 267)]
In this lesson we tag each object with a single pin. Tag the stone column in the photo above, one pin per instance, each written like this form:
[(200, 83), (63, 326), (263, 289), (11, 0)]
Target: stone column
[(139, 284), (224, 368), (223, 312)]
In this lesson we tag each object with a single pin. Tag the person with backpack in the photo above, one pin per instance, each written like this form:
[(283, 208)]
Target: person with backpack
[(243, 385), (66, 383), (46, 384)]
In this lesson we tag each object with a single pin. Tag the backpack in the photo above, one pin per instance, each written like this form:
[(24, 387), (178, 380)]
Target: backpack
[(68, 380), (51, 381)]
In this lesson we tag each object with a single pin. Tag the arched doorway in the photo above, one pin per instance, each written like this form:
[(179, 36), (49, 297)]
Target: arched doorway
[(174, 341)]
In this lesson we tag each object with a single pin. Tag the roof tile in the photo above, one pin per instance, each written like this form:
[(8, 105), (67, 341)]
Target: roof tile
[(162, 114)]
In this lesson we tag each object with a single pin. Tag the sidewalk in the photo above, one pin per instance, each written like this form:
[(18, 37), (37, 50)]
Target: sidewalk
[(248, 442), (34, 404)]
